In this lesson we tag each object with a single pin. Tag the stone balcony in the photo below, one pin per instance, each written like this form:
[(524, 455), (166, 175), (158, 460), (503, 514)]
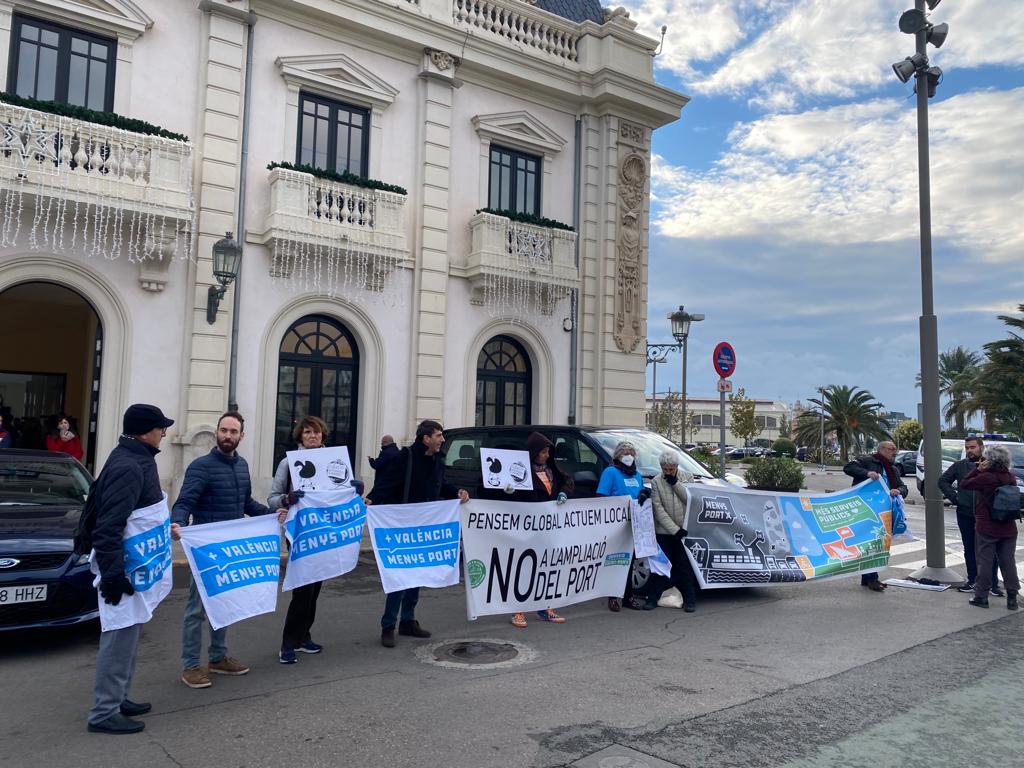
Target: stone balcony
[(329, 234), (513, 265), (68, 183)]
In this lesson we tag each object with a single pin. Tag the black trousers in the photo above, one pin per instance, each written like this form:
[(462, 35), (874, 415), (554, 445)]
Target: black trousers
[(682, 579), (301, 615)]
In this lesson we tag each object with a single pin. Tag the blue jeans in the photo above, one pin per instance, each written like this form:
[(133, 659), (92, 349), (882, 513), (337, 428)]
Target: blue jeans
[(192, 633), (405, 599)]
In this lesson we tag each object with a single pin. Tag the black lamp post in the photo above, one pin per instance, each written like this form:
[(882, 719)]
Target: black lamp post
[(227, 256), (681, 320)]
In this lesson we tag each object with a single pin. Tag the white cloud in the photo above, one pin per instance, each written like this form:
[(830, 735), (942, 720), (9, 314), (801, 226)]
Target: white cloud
[(848, 174)]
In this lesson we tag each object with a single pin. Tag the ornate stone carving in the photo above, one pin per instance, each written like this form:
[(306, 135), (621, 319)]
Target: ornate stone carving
[(629, 250), (631, 133), (614, 13), (160, 245), (442, 60)]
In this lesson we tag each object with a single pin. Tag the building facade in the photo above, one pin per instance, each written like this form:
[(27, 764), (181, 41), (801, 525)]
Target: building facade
[(442, 207)]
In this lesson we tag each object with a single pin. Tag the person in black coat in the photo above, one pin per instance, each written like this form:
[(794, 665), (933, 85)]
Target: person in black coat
[(128, 481), (388, 452), (415, 475), (872, 467)]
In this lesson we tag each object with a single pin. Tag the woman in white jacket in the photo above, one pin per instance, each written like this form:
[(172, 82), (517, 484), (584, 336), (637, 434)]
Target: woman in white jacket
[(668, 498)]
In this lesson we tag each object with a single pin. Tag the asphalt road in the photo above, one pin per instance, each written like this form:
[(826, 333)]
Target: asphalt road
[(799, 676)]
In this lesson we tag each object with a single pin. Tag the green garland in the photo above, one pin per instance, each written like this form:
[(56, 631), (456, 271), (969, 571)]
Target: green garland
[(345, 177), (528, 218), (91, 116)]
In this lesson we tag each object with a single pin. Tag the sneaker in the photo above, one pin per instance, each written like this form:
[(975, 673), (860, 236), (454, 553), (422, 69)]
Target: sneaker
[(996, 591), (117, 724), (966, 587), (196, 678), (614, 604), (310, 647), (228, 666), (519, 620), (550, 615), (387, 637), (287, 656), (980, 602), (875, 586), (412, 629)]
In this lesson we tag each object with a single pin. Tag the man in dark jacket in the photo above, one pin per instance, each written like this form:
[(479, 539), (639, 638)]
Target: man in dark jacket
[(388, 452), (963, 500), (878, 464), (216, 487), (415, 475), (129, 481)]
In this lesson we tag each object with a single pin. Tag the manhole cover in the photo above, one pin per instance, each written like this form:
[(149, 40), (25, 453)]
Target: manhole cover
[(477, 653)]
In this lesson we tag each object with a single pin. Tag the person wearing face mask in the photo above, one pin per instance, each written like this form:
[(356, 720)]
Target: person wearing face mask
[(621, 478), (668, 498)]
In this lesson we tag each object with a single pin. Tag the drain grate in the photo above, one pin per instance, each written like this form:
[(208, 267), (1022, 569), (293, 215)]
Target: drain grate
[(476, 653)]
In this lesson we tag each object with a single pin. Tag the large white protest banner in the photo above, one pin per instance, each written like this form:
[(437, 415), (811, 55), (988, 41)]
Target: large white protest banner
[(236, 564), (320, 469), (530, 556), (324, 530), (147, 564), (416, 545)]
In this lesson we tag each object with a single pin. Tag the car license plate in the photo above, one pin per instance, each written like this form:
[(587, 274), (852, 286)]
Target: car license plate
[(23, 593)]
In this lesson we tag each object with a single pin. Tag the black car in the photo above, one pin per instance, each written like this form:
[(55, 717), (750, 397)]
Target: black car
[(42, 582), (906, 463)]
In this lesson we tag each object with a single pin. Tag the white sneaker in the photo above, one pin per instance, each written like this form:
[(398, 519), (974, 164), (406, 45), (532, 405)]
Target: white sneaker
[(671, 599)]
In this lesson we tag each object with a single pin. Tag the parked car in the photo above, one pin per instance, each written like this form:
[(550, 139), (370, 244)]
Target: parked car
[(42, 582), (581, 452), (905, 463)]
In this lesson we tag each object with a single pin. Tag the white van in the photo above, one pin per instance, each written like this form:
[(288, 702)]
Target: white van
[(953, 450)]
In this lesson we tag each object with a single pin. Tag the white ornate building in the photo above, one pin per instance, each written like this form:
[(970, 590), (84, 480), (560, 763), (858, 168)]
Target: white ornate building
[(425, 296)]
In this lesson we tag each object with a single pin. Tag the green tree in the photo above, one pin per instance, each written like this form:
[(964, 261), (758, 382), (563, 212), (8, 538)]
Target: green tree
[(958, 372), (908, 435), (850, 412), (785, 427), (742, 420), (999, 386), (664, 417)]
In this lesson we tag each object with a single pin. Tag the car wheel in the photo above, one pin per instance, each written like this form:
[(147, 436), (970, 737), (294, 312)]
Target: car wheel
[(640, 573)]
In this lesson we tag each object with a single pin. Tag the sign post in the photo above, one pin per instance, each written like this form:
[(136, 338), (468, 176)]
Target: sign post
[(724, 362)]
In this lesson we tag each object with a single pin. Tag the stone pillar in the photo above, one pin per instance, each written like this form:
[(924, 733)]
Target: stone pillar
[(431, 281)]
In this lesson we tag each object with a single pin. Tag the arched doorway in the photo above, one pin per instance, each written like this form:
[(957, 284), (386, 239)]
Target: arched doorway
[(53, 342), (317, 374), (504, 378)]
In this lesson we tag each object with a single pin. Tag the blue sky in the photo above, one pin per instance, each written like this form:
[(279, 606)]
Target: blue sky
[(785, 199)]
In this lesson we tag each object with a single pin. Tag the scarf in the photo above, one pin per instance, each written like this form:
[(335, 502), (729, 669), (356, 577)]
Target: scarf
[(627, 471), (890, 473), (671, 479)]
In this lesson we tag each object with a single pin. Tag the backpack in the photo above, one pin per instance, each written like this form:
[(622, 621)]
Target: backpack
[(1006, 504), (86, 523)]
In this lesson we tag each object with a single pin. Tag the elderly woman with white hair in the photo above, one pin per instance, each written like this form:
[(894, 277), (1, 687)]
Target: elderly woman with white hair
[(668, 498), (993, 539), (621, 478)]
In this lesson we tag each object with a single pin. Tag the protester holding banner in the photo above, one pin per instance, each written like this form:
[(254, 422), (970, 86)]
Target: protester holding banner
[(621, 478), (127, 489), (878, 464), (216, 488), (668, 497), (310, 432), (549, 484), (417, 474)]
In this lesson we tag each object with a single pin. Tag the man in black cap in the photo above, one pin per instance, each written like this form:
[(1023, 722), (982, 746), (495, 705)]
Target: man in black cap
[(129, 481)]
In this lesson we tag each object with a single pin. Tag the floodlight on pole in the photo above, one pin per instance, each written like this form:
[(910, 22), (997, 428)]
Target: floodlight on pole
[(909, 66), (937, 34), (932, 4)]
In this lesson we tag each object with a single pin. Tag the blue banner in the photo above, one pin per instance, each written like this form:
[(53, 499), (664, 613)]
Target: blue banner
[(418, 546), (147, 556), (228, 565), (324, 530)]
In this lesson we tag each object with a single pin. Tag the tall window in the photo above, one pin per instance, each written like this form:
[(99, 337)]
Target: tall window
[(51, 62), (514, 181), (318, 375), (503, 383), (333, 136)]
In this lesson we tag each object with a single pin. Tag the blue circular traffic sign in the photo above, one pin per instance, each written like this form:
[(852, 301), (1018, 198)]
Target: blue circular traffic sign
[(724, 359)]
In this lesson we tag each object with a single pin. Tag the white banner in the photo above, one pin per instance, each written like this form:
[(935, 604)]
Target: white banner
[(530, 556), (147, 564), (416, 545), (320, 469), (645, 540), (324, 530), (236, 564)]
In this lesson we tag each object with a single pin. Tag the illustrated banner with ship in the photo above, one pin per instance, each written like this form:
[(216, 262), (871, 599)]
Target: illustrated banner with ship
[(739, 537)]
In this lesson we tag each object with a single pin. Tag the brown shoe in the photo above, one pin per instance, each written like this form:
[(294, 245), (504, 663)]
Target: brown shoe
[(228, 666), (196, 678), (876, 586), (614, 604), (387, 637)]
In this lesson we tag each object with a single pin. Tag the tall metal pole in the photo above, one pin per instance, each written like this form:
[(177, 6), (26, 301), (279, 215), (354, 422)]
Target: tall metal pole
[(935, 534), (721, 432), (821, 443), (682, 424), (654, 397)]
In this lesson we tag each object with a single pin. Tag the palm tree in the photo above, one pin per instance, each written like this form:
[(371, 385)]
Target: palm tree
[(850, 412), (958, 369), (999, 384)]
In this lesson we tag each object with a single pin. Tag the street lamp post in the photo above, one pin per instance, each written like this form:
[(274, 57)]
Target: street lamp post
[(681, 320), (657, 353), (916, 22), (821, 442)]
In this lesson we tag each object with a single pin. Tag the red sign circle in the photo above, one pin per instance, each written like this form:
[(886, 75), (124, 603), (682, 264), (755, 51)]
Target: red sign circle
[(724, 359)]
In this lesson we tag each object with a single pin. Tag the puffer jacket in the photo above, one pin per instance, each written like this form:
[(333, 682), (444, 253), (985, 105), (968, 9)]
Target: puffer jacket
[(669, 502), (216, 488), (128, 481)]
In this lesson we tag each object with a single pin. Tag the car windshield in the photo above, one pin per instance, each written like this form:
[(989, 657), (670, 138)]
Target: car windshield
[(649, 448), (1016, 453), (37, 483)]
